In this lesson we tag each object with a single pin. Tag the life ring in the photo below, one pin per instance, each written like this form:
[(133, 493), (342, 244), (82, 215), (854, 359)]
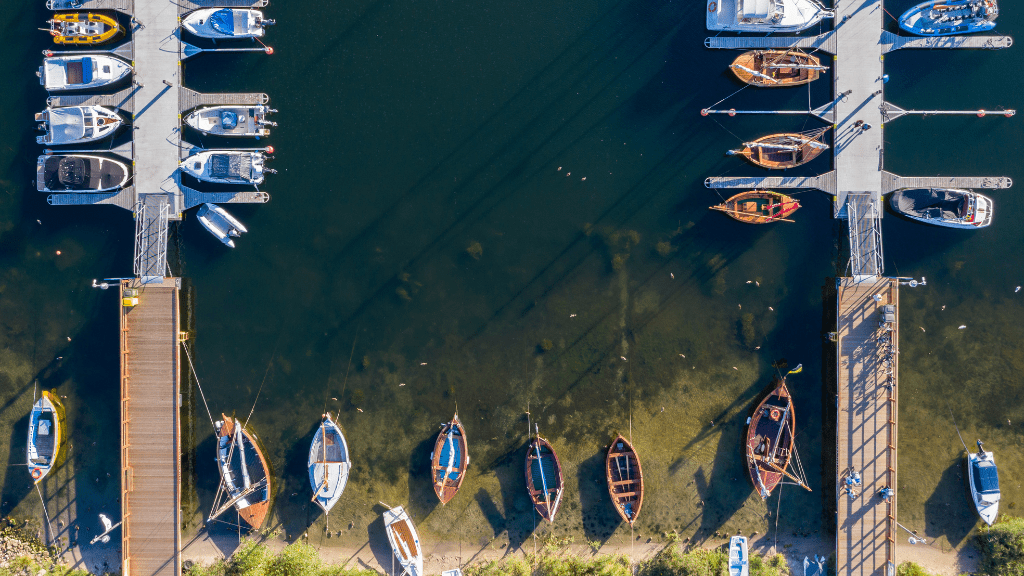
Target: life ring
[(775, 414), (37, 473), (712, 6)]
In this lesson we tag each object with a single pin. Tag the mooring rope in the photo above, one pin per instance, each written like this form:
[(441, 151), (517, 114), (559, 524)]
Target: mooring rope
[(196, 376)]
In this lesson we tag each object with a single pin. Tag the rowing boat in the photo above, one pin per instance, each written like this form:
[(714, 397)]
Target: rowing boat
[(758, 207), (329, 464), (544, 477), (449, 460), (625, 479)]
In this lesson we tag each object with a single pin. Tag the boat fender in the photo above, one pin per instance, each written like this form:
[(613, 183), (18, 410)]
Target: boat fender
[(712, 6), (37, 473), (775, 414)]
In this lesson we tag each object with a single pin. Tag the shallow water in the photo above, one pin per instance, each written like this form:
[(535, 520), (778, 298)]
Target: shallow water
[(500, 208)]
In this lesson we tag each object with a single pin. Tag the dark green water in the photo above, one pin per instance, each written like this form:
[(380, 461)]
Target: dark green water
[(563, 139)]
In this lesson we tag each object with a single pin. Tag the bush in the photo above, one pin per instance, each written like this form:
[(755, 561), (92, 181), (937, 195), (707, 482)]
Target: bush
[(1002, 547), (27, 565), (911, 569), (254, 559)]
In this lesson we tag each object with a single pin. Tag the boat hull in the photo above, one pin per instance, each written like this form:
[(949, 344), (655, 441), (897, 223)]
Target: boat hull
[(224, 23), (218, 222), (77, 124), (79, 173), (950, 18), (739, 563), (225, 167), (45, 435), (542, 466), (449, 460), (241, 468), (328, 464), (949, 208), (771, 63), (758, 207), (764, 156), (797, 15), (768, 441), (986, 501), (625, 479), (240, 122), (85, 72), (405, 542), (84, 29)]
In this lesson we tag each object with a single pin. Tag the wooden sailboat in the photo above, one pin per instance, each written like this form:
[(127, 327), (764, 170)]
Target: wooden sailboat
[(244, 473), (329, 464), (784, 150), (769, 441), (405, 542), (777, 68), (449, 460), (759, 207), (83, 28), (625, 479), (44, 435), (544, 477)]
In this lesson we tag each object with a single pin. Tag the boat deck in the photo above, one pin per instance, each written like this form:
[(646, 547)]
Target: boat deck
[(866, 426), (150, 430)]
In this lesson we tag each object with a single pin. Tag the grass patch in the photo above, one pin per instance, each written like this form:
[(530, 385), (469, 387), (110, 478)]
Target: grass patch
[(254, 559)]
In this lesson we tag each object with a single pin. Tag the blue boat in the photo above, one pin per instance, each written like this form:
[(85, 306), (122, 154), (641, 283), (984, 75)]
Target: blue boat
[(449, 460), (950, 17), (544, 477)]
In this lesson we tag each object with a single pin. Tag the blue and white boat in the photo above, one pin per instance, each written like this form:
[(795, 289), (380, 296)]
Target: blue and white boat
[(739, 563), (329, 464), (44, 436), (949, 17), (983, 477), (449, 460), (405, 542), (226, 23)]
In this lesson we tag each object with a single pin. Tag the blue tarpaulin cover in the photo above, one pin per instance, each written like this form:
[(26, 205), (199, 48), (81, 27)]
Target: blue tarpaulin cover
[(228, 119), (986, 477), (223, 21), (86, 70)]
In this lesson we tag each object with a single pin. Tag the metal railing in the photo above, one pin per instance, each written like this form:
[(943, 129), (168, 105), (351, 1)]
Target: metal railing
[(151, 223)]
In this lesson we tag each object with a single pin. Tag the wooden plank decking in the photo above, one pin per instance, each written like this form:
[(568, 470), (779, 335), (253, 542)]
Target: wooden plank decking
[(866, 427), (150, 430)]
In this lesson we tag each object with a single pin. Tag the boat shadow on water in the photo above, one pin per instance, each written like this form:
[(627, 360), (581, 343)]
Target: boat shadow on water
[(600, 520), (948, 511), (380, 545)]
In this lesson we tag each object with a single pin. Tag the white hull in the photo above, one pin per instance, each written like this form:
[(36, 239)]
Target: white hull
[(84, 72), (226, 166), (957, 17), (43, 438), (738, 560), (77, 124), (225, 23), (980, 211), (985, 498), (103, 175), (764, 15), (411, 559), (231, 121), (328, 464), (220, 223)]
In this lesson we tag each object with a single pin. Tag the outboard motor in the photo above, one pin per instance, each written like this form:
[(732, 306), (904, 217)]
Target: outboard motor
[(268, 22), (271, 111), (981, 451)]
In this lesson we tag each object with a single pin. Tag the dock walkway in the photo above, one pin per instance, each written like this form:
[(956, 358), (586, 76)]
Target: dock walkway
[(150, 429)]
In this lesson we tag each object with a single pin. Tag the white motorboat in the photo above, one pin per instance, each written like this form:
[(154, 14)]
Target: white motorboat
[(328, 463), (59, 73), (984, 480), (79, 173), (765, 15), (232, 120), (218, 222), (44, 436), (227, 166), (739, 563), (949, 207), (222, 23), (404, 541), (76, 124), (949, 17)]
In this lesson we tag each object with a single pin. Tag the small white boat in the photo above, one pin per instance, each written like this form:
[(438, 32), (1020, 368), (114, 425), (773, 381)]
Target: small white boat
[(984, 480), (949, 207), (79, 173), (59, 73), (739, 563), (949, 17), (221, 23), (404, 540), (76, 124), (218, 222), (44, 436), (765, 15), (227, 166), (232, 120), (329, 464), (816, 568)]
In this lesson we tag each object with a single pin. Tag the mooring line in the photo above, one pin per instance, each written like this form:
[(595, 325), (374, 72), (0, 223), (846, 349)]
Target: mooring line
[(196, 376)]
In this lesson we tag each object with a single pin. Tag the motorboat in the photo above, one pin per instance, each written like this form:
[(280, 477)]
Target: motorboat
[(449, 460), (949, 17), (625, 479), (983, 477), (765, 15), (77, 124), (231, 120), (224, 23), (61, 73), (243, 471), (949, 207), (405, 542), (544, 477), (739, 562), (79, 173), (227, 166), (329, 464), (83, 28), (777, 68), (759, 207), (224, 227), (785, 150), (44, 435)]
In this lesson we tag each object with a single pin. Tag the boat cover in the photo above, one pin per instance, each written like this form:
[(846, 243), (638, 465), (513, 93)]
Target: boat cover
[(756, 9), (451, 451), (78, 173), (934, 203), (228, 120), (231, 166), (223, 21), (986, 477), (66, 124)]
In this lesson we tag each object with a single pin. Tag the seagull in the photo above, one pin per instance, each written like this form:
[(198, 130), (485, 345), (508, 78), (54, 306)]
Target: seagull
[(922, 328), (672, 276), (962, 326), (741, 306), (333, 398), (735, 368), (683, 355), (750, 281), (943, 307), (402, 384), (772, 309), (623, 358), (1016, 290), (757, 348), (572, 315), (360, 409), (107, 525), (423, 363)]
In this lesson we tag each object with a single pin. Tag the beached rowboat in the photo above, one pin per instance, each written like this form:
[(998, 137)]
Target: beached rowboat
[(983, 479), (544, 477), (759, 207), (625, 479), (405, 542), (329, 463), (449, 460), (769, 439)]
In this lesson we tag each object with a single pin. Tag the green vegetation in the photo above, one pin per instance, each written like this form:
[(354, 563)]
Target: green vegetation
[(1002, 547), (475, 250), (254, 559), (911, 569), (699, 562), (26, 565)]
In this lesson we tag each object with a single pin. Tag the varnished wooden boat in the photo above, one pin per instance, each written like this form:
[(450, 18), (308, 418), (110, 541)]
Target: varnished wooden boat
[(776, 68), (625, 479), (544, 477), (449, 460), (243, 471), (759, 207), (405, 542), (83, 28), (769, 440), (784, 150)]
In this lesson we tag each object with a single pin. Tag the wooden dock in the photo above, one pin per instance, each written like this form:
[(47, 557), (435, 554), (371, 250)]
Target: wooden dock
[(150, 429), (867, 368)]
